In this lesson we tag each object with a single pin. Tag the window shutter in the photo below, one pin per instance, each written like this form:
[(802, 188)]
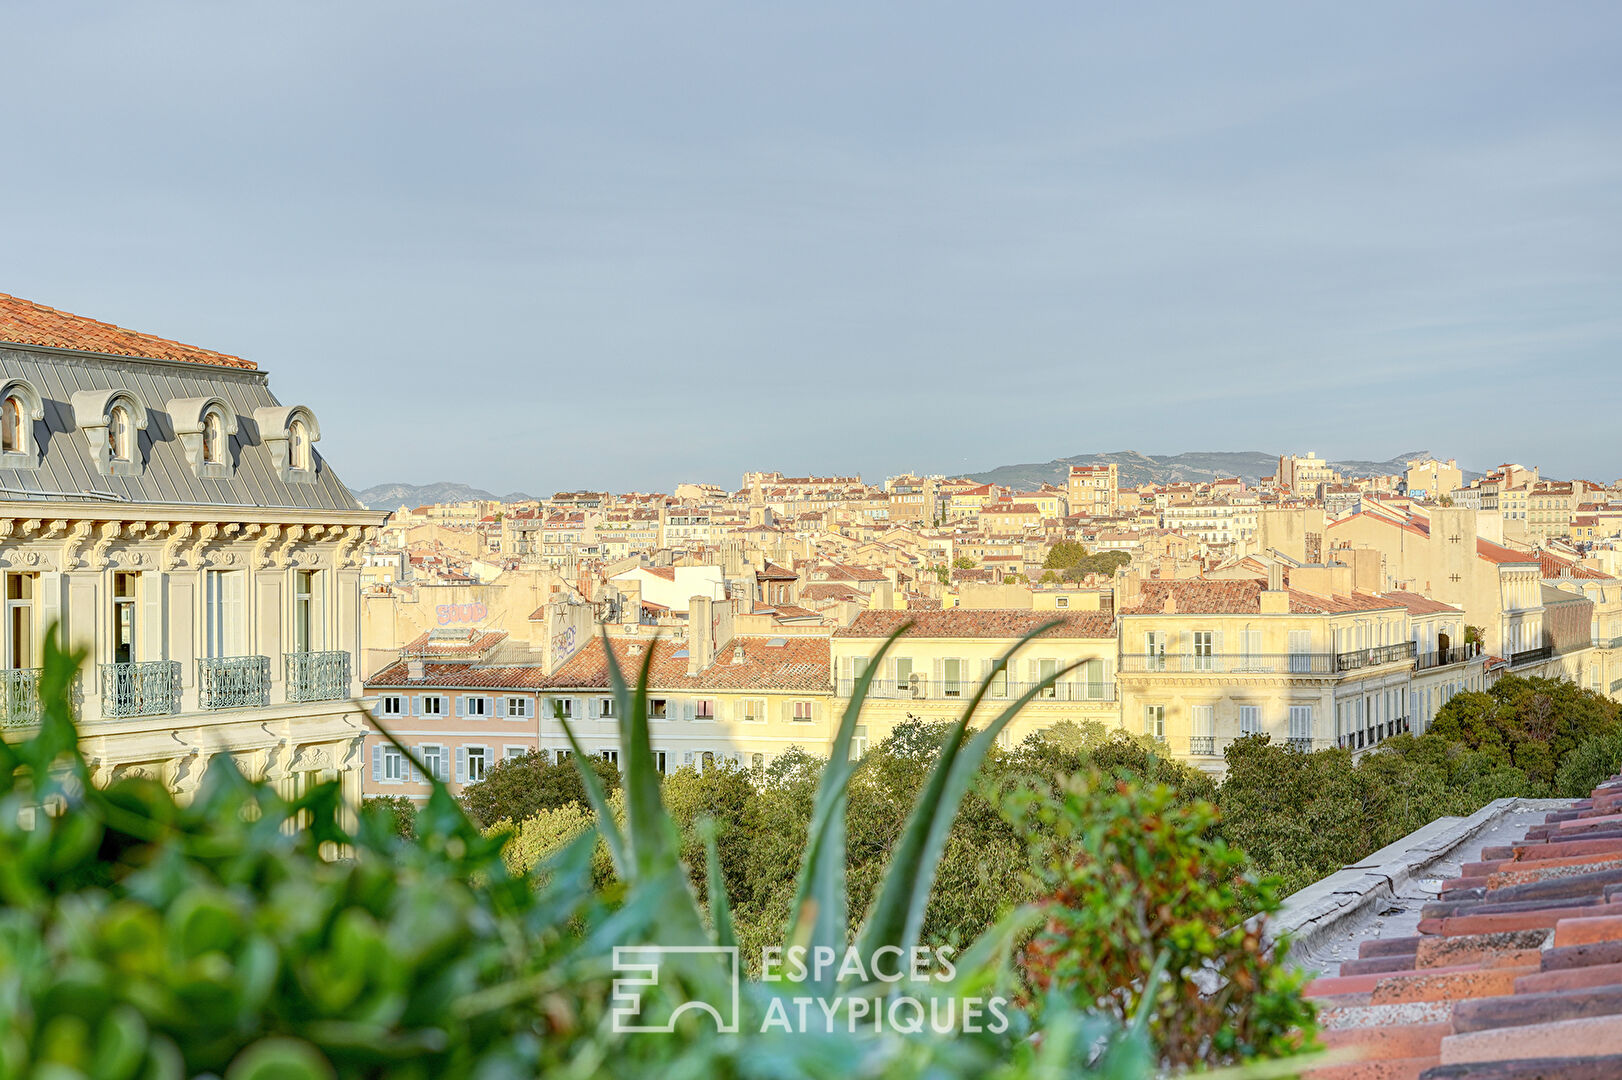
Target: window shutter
[(461, 764), (411, 766), (687, 710), (940, 673), (461, 705), (444, 766), (489, 707), (501, 708), (377, 764), (416, 705), (986, 667), (591, 709), (579, 706)]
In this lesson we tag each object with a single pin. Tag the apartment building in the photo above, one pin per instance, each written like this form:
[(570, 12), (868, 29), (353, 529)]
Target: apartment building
[(1093, 490), (933, 670), (1206, 662), (174, 517), (1303, 475), (1432, 478)]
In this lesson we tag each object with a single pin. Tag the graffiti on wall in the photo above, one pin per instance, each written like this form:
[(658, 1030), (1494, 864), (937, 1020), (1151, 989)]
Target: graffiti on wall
[(563, 645), (451, 614)]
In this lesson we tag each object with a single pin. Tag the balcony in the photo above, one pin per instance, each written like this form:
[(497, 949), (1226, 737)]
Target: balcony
[(317, 676), (1231, 664), (1375, 656), (921, 689), (19, 697), (1302, 743), (1202, 745), (1531, 656), (233, 682), (1458, 654), (145, 689)]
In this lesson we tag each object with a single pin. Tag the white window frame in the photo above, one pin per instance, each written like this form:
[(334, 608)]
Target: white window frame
[(437, 759), (517, 708), (744, 706), (391, 705), (433, 705), (807, 707), (484, 764), (477, 706), (395, 766)]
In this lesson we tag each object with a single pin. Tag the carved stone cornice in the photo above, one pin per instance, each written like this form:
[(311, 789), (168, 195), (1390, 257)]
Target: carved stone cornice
[(77, 535), (261, 548), (170, 559), (110, 531), (205, 536), (294, 534)]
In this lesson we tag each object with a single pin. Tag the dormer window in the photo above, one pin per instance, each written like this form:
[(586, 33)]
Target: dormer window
[(11, 425), (213, 438), (19, 408), (118, 433), (298, 445)]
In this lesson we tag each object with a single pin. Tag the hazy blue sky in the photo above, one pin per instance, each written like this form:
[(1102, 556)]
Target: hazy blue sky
[(536, 246)]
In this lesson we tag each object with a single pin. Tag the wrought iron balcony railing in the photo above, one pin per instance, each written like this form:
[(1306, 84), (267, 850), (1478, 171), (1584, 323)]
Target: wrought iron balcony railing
[(151, 688), (922, 689), (317, 676), (1375, 656), (233, 682), (1531, 656), (1202, 745), (19, 696), (1230, 663), (1302, 743), (1456, 654)]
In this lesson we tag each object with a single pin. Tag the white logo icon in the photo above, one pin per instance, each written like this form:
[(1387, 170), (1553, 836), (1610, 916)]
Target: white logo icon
[(641, 966)]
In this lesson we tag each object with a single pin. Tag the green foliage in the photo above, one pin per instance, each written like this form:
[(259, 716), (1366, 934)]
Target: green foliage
[(1528, 723), (1072, 558), (1134, 884), (1063, 555), (401, 809), (1049, 578), (1590, 765), (517, 788), (963, 562), (248, 936)]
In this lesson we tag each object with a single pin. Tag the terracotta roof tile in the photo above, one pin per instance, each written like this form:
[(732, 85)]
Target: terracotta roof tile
[(24, 322), (978, 623)]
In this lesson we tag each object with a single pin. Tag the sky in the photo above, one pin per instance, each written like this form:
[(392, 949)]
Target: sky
[(532, 247)]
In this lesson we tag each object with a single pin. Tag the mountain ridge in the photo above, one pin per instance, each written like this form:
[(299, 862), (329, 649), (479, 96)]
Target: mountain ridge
[(1137, 468), (393, 496)]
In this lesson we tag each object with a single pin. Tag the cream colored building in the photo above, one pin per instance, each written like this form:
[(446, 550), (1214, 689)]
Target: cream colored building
[(163, 507), (1435, 478), (1093, 490)]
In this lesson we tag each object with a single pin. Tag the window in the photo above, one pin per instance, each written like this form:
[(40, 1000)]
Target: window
[(516, 752), (560, 756), (298, 445), (1045, 670), (306, 610), (1204, 650), (119, 432), (659, 761), (123, 618), (477, 706), (705, 709), (611, 756), (394, 764), (605, 708), (1154, 651), (433, 759), (903, 673), (1154, 721), (1250, 720), (475, 764), (858, 742), (757, 761), (1063, 602), (20, 620), (802, 710), (225, 610), (751, 710), (858, 664), (998, 680), (658, 709), (517, 708), (563, 708), (391, 705), (13, 426), (1301, 721), (213, 438), (433, 705)]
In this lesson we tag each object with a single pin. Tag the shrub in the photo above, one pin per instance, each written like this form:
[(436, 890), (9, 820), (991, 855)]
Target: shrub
[(517, 788), (401, 809), (1134, 885)]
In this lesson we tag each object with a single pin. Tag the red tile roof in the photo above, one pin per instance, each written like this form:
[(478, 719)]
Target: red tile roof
[(24, 322), (1554, 566), (425, 645), (978, 623), (1242, 596), (800, 663), (1498, 553), (459, 676), (1419, 604)]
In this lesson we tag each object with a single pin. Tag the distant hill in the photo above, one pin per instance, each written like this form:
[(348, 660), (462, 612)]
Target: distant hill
[(393, 496), (1137, 469)]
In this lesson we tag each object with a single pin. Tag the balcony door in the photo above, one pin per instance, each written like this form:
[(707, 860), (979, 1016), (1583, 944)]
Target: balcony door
[(307, 611), (225, 603), (124, 618), (20, 620)]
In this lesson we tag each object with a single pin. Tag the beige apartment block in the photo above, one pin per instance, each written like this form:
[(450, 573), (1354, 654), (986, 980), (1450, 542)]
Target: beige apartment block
[(1302, 475), (173, 518), (1206, 662), (1435, 478), (932, 672), (1093, 490)]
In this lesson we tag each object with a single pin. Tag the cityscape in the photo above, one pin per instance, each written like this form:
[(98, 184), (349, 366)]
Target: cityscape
[(810, 543)]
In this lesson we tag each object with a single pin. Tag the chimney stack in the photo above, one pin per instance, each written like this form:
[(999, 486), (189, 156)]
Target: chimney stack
[(1275, 576), (700, 634)]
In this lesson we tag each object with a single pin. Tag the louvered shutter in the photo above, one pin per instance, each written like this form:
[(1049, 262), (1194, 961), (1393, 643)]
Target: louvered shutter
[(444, 767), (377, 764), (461, 705), (687, 710), (461, 764), (940, 676), (591, 709), (415, 773), (579, 706), (501, 708), (489, 707), (416, 705)]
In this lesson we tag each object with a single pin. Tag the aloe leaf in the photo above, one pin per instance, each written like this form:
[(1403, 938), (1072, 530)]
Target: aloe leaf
[(820, 915), (652, 834), (903, 896), (720, 909), (599, 804)]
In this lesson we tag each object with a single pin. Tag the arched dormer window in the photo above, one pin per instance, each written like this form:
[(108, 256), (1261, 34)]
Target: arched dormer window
[(20, 406), (112, 421), (119, 431), (204, 427), (298, 445), (213, 438), (290, 433)]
